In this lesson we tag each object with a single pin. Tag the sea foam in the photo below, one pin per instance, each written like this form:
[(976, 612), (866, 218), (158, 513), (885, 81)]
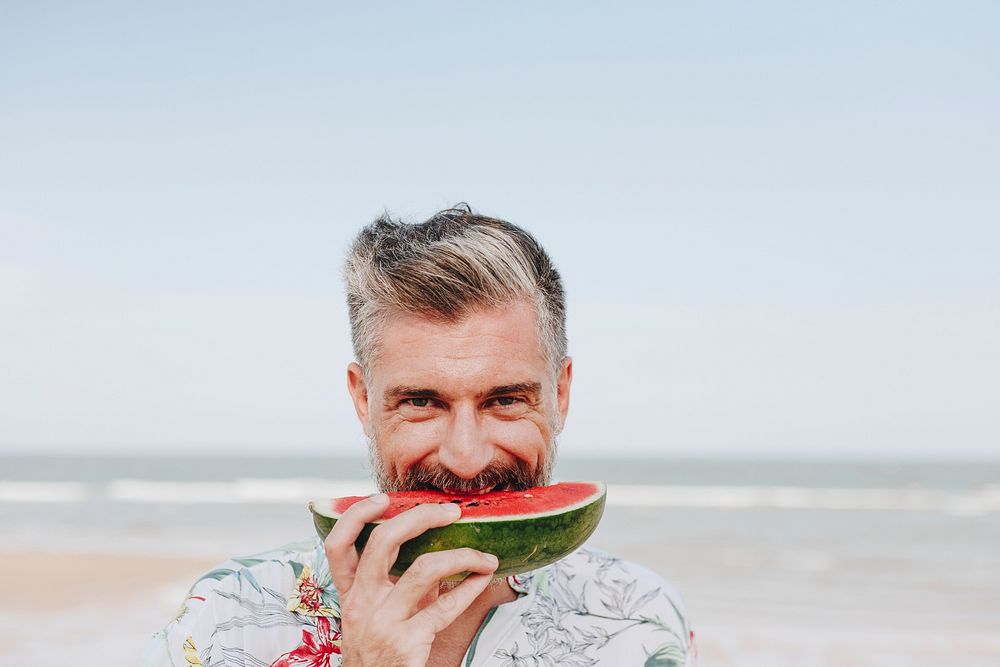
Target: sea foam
[(298, 490)]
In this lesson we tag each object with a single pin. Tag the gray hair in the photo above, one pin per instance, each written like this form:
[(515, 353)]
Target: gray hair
[(445, 267)]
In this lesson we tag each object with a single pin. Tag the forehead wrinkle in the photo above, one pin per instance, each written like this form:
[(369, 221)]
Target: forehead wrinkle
[(510, 338), (478, 351)]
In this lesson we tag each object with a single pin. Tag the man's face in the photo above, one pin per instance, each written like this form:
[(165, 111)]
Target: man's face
[(467, 406)]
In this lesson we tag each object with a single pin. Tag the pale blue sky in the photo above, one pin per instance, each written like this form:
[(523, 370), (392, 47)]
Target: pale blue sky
[(778, 224)]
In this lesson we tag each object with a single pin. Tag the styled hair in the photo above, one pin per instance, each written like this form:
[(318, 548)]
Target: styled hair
[(444, 268)]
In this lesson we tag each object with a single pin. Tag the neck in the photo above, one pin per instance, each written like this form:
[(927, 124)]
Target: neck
[(452, 643)]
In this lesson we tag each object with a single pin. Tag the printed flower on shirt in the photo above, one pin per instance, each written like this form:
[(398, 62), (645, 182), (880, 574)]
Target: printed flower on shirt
[(191, 653), (315, 650), (313, 596)]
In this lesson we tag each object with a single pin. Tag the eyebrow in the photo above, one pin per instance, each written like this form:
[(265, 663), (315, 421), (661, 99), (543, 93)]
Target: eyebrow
[(533, 388), (401, 390)]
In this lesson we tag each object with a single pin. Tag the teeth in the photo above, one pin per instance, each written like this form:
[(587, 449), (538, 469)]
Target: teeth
[(485, 489)]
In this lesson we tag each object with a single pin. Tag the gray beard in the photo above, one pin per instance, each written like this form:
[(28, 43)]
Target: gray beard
[(517, 476)]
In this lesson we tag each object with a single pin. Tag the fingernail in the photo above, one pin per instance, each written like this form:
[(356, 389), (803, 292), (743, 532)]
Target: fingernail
[(453, 509), (379, 498), (494, 561)]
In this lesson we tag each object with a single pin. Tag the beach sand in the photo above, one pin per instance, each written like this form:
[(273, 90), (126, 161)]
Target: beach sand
[(30, 581), (86, 609)]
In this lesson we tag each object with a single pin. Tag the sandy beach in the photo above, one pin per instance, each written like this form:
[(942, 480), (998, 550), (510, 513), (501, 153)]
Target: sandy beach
[(85, 608), (30, 580)]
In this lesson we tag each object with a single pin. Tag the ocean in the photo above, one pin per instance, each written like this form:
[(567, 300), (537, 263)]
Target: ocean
[(779, 562)]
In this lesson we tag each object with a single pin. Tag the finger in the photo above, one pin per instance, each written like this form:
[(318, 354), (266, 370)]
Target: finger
[(431, 596), (339, 544), (449, 606), (426, 573), (383, 544)]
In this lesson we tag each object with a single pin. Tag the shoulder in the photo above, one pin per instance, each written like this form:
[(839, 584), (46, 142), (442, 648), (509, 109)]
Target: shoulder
[(275, 569), (260, 583), (622, 611), (606, 572), (253, 606)]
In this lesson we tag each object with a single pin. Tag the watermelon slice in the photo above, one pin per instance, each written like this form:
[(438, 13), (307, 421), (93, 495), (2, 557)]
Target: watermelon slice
[(526, 529)]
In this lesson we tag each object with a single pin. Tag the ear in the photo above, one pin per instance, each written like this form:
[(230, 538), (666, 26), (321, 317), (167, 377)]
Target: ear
[(359, 393), (563, 382)]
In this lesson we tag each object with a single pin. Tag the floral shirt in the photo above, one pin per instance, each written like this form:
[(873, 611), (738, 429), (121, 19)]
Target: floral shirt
[(280, 609)]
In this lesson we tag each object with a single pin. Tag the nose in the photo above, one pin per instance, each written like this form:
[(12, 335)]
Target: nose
[(465, 448)]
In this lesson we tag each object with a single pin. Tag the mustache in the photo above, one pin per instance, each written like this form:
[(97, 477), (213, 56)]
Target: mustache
[(516, 476)]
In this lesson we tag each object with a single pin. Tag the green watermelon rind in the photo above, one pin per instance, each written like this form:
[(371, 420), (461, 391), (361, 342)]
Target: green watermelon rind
[(521, 543)]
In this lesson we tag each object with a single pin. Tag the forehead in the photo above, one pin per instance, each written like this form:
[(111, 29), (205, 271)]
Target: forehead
[(485, 347)]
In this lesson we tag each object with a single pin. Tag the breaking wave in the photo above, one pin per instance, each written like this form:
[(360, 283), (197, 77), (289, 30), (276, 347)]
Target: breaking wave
[(983, 500)]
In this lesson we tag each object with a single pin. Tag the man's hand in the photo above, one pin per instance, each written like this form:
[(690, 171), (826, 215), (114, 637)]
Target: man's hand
[(386, 624)]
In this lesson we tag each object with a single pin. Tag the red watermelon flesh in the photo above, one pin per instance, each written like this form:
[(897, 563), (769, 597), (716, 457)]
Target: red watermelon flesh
[(534, 501)]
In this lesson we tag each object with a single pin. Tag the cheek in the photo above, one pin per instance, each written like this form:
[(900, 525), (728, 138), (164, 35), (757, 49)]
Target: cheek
[(404, 443), (524, 437)]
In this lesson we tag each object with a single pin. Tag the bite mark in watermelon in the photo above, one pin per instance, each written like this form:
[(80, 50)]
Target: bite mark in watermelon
[(525, 530)]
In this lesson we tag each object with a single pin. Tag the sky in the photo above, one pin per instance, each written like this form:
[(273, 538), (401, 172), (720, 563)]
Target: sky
[(778, 223)]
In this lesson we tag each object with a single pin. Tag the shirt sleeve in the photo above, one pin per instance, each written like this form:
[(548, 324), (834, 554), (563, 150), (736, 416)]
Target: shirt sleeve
[(244, 612), (187, 640), (669, 639)]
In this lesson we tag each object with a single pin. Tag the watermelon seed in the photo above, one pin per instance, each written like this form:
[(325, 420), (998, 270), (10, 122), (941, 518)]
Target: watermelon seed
[(473, 504)]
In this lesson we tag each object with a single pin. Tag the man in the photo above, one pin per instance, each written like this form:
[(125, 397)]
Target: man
[(461, 383)]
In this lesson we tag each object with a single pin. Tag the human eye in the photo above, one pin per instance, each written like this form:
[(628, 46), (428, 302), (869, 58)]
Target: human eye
[(417, 401), (506, 401), (418, 408)]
